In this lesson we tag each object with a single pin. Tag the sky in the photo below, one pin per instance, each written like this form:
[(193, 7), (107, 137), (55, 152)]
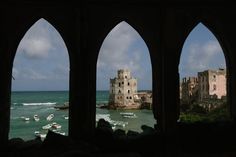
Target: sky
[(42, 63), (201, 51)]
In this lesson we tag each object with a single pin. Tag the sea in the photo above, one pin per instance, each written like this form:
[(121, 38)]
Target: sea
[(24, 105)]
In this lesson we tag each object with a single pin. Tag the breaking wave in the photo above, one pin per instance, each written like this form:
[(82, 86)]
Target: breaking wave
[(39, 104)]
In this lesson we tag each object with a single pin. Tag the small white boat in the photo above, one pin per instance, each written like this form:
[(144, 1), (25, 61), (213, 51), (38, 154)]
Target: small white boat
[(38, 134), (36, 117), (46, 127), (25, 118), (50, 117), (43, 136), (128, 115), (66, 117), (55, 125)]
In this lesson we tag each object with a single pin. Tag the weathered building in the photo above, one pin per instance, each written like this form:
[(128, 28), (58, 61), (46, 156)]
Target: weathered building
[(164, 25), (212, 84), (122, 91), (189, 89)]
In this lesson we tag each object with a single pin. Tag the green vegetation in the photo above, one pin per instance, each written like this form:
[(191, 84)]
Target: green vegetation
[(205, 112)]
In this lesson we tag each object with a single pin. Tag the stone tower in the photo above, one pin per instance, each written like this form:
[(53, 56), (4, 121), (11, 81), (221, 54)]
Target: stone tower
[(122, 91), (212, 84)]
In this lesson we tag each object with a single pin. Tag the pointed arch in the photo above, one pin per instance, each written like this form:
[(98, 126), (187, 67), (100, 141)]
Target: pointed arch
[(26, 25), (41, 64), (124, 51), (202, 57)]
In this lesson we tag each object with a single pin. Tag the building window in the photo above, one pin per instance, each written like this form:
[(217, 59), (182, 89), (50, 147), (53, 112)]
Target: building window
[(119, 91), (122, 82), (214, 87), (127, 97), (130, 97), (128, 83), (214, 77), (128, 91), (125, 76), (119, 84)]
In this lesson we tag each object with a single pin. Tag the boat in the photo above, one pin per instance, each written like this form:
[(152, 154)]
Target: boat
[(50, 117), (36, 117), (46, 127), (128, 115), (38, 134), (55, 125), (66, 117), (25, 118)]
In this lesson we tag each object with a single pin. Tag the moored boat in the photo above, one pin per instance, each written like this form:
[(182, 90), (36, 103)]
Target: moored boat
[(55, 125), (50, 117), (46, 127), (25, 118), (38, 134), (66, 117), (128, 115), (36, 117)]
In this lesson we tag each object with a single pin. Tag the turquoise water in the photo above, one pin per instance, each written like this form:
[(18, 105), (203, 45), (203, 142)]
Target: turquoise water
[(27, 104)]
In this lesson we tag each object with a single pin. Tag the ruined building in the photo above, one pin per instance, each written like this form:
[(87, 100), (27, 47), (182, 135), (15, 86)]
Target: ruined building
[(212, 84), (189, 89), (164, 25), (123, 89)]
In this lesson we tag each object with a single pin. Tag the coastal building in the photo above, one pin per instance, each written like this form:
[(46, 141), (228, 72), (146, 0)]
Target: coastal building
[(212, 84), (189, 89), (123, 91)]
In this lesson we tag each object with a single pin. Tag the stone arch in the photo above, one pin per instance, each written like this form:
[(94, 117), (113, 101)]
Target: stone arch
[(113, 23), (62, 46), (139, 36), (225, 54)]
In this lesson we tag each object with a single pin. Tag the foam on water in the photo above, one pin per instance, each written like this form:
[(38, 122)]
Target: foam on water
[(39, 104)]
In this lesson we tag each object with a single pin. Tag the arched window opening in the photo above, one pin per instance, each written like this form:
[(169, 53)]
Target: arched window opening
[(124, 57), (40, 86), (203, 79)]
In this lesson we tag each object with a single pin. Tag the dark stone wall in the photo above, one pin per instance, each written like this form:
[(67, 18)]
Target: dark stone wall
[(163, 25)]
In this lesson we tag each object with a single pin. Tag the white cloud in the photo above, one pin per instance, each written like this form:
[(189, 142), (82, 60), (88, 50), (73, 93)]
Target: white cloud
[(114, 53), (41, 61), (37, 42), (200, 57), (35, 48), (120, 50), (115, 48)]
